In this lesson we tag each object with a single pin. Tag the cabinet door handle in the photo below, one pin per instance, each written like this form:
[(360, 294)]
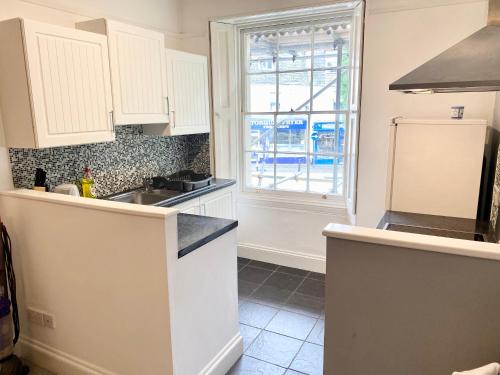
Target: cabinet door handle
[(168, 105), (112, 123), (172, 118)]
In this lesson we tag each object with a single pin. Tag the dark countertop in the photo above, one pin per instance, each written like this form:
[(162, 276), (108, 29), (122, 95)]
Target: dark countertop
[(195, 231), (444, 223), (217, 184)]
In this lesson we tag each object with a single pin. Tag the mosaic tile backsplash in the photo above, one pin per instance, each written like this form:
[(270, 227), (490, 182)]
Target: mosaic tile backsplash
[(116, 166), (495, 208)]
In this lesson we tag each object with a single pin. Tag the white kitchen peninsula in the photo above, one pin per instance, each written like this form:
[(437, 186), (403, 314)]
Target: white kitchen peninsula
[(123, 298)]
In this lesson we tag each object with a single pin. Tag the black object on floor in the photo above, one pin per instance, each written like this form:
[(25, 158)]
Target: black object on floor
[(13, 366)]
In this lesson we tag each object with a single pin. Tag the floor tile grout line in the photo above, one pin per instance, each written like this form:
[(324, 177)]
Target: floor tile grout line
[(295, 290), (295, 356), (277, 269), (270, 363), (280, 307), (291, 337), (307, 275), (250, 344), (262, 283), (282, 334)]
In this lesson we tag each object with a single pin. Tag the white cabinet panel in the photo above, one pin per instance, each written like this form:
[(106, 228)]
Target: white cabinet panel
[(59, 78), (219, 204), (138, 72), (188, 93), (188, 100), (190, 207)]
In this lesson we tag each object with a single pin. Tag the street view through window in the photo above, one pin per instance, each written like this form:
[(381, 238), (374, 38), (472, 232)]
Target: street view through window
[(296, 106)]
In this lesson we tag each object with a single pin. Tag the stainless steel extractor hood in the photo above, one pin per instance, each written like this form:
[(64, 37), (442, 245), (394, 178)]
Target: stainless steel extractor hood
[(470, 65)]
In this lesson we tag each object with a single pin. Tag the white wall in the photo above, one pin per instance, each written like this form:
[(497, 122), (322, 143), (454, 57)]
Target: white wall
[(395, 43), (157, 14), (196, 14)]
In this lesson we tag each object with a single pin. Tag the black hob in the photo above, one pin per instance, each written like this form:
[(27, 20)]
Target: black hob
[(435, 232)]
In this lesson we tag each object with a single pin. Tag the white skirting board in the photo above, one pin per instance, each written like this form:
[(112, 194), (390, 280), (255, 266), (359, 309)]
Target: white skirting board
[(62, 363), (226, 358), (315, 263), (55, 360)]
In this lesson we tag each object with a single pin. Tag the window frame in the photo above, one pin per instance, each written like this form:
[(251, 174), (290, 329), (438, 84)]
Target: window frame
[(290, 197)]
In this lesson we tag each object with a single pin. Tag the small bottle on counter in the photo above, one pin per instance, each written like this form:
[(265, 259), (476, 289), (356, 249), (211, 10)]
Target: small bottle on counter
[(87, 182)]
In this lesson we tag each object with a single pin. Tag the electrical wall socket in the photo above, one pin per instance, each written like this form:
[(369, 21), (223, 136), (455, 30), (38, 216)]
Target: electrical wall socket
[(48, 321), (41, 318), (35, 316)]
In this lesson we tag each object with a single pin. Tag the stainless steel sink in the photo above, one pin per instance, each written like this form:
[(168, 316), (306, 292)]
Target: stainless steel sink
[(152, 197)]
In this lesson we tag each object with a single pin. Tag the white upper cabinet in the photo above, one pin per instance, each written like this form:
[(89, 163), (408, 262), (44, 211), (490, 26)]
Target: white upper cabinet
[(188, 100), (54, 85), (138, 71)]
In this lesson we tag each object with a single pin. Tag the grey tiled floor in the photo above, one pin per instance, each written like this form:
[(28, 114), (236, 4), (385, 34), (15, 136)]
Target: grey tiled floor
[(281, 320)]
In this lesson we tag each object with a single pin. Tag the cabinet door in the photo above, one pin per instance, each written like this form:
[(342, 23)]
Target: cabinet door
[(187, 79), (70, 85), (138, 73), (219, 204), (190, 207)]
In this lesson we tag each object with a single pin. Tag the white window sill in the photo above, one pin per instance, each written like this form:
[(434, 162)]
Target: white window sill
[(331, 205)]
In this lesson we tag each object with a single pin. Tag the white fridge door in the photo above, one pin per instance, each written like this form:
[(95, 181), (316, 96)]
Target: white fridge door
[(436, 166)]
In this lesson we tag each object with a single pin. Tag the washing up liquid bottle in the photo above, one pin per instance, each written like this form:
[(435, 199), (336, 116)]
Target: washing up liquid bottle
[(88, 190)]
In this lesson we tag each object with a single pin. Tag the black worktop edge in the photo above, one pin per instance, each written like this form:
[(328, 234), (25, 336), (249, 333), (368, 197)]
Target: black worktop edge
[(203, 241)]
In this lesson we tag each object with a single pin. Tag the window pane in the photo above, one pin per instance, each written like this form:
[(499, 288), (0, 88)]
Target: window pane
[(328, 133), (295, 48), (325, 90), (321, 174), (331, 46), (259, 133), (262, 49), (291, 172), (291, 133), (261, 93), (325, 174), (259, 170), (295, 91)]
